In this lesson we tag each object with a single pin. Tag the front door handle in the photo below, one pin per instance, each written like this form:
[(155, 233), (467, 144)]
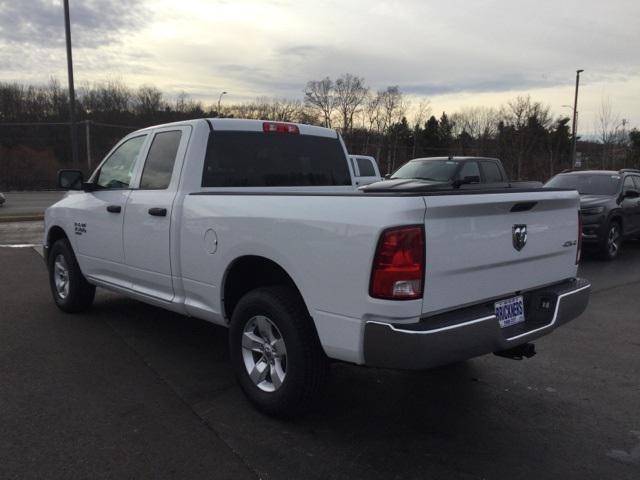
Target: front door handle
[(114, 209), (158, 212)]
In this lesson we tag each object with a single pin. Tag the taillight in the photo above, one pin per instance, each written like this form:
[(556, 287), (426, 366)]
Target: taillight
[(398, 266), (579, 249), (279, 127)]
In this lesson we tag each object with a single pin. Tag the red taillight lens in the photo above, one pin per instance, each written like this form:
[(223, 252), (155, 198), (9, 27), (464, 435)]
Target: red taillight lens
[(579, 249), (278, 127), (398, 266)]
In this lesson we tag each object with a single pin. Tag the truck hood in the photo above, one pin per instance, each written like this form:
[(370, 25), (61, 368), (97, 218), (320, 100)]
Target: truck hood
[(594, 200), (406, 185)]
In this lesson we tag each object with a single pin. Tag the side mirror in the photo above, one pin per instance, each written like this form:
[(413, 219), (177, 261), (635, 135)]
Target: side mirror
[(387, 176), (70, 179), (631, 194)]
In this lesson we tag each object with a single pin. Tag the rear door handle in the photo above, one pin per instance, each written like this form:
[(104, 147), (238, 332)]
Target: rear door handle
[(114, 209), (158, 212)]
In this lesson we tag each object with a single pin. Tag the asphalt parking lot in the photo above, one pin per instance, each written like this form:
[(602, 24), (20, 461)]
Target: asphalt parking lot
[(127, 390), (28, 203)]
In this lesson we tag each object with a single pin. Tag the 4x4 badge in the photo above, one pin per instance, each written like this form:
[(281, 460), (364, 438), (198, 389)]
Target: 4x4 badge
[(519, 236)]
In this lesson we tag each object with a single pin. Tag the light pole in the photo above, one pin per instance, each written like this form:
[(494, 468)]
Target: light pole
[(575, 117), (219, 100), (72, 93)]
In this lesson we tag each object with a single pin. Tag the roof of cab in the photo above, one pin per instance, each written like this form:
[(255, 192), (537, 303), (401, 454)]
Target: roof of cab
[(455, 158), (247, 125)]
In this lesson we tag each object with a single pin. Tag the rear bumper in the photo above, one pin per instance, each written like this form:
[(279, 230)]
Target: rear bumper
[(472, 331)]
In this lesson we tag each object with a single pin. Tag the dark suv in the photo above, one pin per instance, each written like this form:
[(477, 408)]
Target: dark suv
[(609, 206)]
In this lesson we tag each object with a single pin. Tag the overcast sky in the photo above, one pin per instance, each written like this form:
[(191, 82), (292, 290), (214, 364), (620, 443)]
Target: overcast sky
[(455, 52)]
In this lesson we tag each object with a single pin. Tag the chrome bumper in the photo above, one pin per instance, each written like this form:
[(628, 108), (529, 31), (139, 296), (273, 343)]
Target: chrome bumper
[(472, 331)]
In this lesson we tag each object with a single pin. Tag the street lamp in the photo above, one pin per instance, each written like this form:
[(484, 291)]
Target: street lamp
[(575, 116), (72, 94), (219, 100)]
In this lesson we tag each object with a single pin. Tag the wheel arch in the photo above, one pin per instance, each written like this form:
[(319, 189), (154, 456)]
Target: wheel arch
[(54, 234), (249, 272), (616, 216)]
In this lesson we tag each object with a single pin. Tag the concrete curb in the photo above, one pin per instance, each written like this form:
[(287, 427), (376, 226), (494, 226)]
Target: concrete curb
[(22, 218)]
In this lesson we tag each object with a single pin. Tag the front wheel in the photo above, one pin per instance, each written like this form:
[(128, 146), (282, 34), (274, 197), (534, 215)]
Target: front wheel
[(610, 248), (275, 351), (70, 289)]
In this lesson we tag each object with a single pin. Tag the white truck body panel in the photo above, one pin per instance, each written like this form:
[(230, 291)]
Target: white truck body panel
[(324, 238), (470, 256)]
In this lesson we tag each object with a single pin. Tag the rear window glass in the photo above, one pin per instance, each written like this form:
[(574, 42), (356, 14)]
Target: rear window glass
[(256, 159), (366, 167)]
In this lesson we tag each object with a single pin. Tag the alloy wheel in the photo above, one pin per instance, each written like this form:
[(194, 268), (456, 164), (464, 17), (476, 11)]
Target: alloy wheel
[(264, 353)]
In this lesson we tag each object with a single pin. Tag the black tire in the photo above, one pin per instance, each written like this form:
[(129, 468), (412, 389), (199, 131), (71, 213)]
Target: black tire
[(80, 293), (612, 242), (306, 363)]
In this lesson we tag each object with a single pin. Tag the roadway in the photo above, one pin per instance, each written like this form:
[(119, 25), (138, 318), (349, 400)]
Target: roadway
[(127, 390), (28, 203)]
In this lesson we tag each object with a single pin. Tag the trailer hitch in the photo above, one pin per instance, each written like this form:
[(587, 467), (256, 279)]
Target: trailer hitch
[(519, 352)]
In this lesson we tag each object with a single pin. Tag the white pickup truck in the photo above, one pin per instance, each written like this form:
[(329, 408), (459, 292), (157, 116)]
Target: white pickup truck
[(257, 226)]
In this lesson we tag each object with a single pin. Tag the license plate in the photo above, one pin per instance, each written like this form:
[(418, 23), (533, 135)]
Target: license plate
[(510, 311)]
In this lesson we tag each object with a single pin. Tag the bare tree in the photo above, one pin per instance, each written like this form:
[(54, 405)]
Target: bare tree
[(319, 95), (422, 112), (148, 100), (393, 108), (528, 121), (612, 133), (349, 94)]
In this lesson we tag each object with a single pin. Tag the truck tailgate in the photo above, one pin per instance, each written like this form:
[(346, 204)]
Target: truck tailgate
[(471, 254)]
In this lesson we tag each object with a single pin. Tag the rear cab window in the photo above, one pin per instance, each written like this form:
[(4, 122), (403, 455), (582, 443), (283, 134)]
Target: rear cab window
[(161, 158), (257, 159)]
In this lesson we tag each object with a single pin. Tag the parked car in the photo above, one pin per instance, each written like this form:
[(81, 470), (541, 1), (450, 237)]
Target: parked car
[(365, 169), (609, 206), (255, 226), (2, 199), (456, 172)]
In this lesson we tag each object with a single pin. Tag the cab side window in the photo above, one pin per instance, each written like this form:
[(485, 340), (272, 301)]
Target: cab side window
[(492, 173), (628, 184), (636, 180), (160, 160), (365, 167), (116, 171), (470, 169)]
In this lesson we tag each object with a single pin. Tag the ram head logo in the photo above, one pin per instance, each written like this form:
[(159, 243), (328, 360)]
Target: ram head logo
[(519, 236)]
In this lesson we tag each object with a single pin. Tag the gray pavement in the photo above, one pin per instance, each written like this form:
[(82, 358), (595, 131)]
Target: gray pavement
[(21, 233), (129, 390), (28, 203)]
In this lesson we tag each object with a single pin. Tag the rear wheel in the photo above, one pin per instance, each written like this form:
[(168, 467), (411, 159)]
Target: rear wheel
[(275, 351), (69, 287), (612, 242)]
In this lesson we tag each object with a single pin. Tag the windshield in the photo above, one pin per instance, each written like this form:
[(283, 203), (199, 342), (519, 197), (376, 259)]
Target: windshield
[(440, 170), (596, 184)]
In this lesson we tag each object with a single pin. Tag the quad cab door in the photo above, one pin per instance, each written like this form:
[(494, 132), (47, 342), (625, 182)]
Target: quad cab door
[(99, 213), (148, 218), (631, 204)]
